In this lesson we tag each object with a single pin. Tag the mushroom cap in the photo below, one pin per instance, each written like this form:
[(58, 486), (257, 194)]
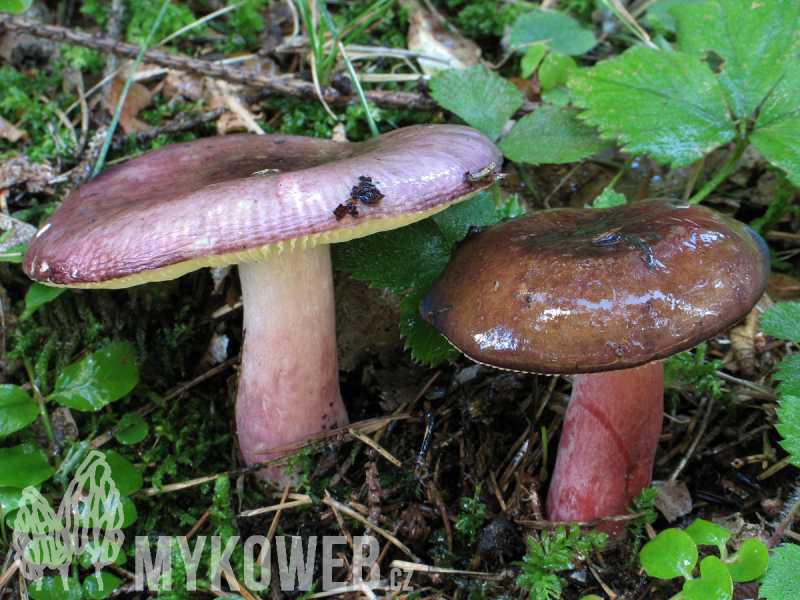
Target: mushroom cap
[(224, 200), (585, 291)]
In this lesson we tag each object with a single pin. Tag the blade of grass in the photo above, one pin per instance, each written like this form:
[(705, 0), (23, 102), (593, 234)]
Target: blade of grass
[(359, 90), (101, 158)]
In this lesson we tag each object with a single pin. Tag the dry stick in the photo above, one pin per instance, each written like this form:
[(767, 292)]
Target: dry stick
[(351, 513), (694, 443), (280, 86), (367, 426), (784, 524), (553, 525)]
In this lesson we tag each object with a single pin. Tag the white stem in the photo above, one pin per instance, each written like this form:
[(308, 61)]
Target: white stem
[(289, 382)]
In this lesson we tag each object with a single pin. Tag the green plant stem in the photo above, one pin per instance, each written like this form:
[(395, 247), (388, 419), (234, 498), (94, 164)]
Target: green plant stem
[(620, 173), (37, 397), (526, 178), (736, 155), (101, 158), (359, 90)]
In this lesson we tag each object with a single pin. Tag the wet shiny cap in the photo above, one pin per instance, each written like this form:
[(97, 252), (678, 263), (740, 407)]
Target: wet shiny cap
[(585, 291), (229, 199)]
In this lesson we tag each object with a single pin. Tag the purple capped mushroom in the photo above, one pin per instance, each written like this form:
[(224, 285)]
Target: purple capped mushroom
[(273, 204)]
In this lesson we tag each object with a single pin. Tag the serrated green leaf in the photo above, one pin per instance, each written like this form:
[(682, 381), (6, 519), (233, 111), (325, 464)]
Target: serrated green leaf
[(705, 532), (15, 7), (17, 409), (789, 376), (782, 321), (782, 579), (561, 32), (672, 553), (483, 99), (24, 465), (38, 295), (426, 343), (100, 378), (384, 259), (456, 220), (550, 136), (776, 132), (53, 588), (131, 429), (789, 427), (660, 103), (411, 258), (714, 584), (98, 586), (756, 40), (749, 562), (660, 17)]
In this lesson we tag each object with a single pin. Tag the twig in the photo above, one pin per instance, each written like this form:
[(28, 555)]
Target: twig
[(281, 86), (694, 443), (552, 525), (351, 513)]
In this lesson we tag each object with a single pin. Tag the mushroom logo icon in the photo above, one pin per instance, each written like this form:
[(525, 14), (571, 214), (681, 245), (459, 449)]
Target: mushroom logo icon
[(89, 519)]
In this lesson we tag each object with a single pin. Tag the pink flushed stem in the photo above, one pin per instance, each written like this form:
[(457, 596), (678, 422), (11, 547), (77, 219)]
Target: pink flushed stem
[(605, 457), (289, 381)]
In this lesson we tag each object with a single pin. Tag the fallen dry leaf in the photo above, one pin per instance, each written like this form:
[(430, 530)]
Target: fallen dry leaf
[(138, 97)]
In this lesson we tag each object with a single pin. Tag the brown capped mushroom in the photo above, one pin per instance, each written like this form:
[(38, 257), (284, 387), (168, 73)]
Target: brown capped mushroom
[(270, 203), (599, 291)]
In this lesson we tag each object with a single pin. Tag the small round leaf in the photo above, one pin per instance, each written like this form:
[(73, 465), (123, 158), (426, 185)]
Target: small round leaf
[(705, 532), (131, 429), (17, 409), (671, 554), (749, 562), (24, 465), (714, 584), (126, 477), (53, 588), (100, 586)]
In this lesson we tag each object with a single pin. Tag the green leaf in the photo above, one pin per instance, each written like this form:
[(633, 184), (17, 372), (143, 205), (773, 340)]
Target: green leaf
[(782, 321), (757, 41), (53, 588), (550, 136), (129, 512), (14, 255), (131, 429), (98, 586), (100, 378), (17, 409), (749, 562), (672, 553), (660, 103), (411, 258), (555, 70), (608, 199), (39, 294), (705, 532), (15, 7), (789, 427), (714, 584), (24, 465), (561, 32), (659, 14), (483, 99), (777, 130), (532, 59), (126, 477), (782, 579), (104, 551)]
